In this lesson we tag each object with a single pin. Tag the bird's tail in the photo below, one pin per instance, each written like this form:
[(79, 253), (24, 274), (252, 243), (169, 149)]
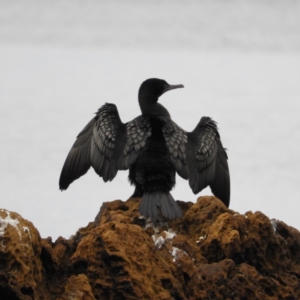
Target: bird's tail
[(155, 201)]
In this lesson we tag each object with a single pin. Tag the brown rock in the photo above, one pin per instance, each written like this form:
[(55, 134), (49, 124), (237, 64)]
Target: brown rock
[(211, 253), (77, 288), (21, 270)]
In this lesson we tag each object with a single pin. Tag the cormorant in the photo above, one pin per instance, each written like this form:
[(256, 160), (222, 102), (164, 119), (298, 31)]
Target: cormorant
[(153, 147)]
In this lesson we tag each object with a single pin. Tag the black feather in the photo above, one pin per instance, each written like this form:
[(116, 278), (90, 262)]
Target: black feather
[(153, 148)]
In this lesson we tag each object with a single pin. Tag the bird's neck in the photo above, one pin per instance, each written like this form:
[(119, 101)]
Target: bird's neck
[(150, 107)]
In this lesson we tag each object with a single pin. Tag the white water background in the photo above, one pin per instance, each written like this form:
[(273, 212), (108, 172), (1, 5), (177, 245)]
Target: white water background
[(61, 60)]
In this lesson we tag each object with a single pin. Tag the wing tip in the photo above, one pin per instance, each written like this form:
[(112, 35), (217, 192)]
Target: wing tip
[(63, 185)]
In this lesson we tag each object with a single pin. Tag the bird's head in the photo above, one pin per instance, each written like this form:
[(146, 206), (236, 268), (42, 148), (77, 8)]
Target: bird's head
[(153, 88), (149, 92)]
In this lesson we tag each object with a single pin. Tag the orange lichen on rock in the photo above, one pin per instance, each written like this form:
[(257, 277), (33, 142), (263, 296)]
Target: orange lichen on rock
[(77, 288), (211, 253), (21, 270)]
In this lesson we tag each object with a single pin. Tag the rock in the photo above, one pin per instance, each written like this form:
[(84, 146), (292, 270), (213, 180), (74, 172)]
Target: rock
[(77, 288), (211, 253), (21, 269)]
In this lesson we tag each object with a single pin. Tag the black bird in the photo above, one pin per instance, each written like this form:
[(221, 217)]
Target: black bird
[(153, 148)]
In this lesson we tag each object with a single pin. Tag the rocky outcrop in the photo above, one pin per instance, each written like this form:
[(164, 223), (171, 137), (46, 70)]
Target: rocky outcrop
[(211, 253)]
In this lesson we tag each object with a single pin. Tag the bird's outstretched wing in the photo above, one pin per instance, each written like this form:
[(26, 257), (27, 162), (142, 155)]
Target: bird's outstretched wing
[(207, 160), (106, 144), (176, 141)]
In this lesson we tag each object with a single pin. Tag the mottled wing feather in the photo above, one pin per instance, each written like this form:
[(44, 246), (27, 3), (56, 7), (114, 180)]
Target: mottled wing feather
[(176, 141), (207, 160), (108, 141), (106, 144), (98, 145), (137, 132)]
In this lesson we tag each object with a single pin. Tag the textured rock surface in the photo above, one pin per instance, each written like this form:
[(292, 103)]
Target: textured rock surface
[(21, 270), (211, 253)]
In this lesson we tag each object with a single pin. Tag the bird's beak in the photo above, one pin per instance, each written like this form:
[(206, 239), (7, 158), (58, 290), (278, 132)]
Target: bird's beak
[(172, 87)]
